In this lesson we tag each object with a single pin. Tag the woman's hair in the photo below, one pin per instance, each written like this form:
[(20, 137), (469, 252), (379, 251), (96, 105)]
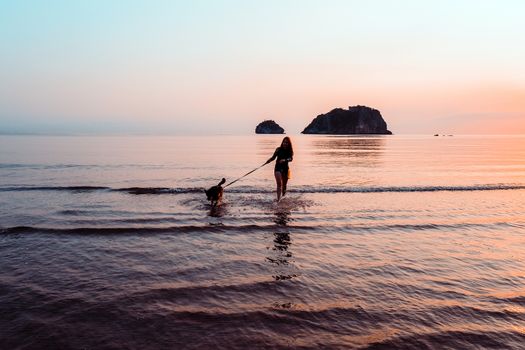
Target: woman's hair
[(290, 147)]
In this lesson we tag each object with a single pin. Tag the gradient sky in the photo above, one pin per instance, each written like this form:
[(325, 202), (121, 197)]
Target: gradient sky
[(208, 67)]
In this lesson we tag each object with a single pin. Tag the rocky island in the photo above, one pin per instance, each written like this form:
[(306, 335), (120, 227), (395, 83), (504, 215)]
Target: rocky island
[(354, 120), (269, 127)]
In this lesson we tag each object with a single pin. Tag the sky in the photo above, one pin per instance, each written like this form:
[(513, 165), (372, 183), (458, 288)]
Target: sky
[(221, 67)]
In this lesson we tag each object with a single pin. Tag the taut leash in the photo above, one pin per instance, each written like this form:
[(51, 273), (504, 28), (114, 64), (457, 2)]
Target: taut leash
[(248, 173)]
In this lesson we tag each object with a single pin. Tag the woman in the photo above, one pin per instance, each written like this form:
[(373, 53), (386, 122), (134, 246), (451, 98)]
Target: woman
[(284, 154)]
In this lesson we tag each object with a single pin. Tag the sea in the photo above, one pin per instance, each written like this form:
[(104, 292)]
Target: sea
[(381, 242)]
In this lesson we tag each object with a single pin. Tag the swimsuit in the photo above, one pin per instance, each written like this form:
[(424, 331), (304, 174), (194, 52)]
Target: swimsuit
[(282, 154)]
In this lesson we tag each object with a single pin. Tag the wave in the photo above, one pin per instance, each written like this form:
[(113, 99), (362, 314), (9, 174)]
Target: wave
[(138, 230), (495, 187), (454, 339), (54, 188), (248, 228), (158, 190), (130, 190), (238, 316), (256, 190)]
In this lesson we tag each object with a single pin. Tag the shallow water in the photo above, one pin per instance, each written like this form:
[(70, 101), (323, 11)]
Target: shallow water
[(406, 242)]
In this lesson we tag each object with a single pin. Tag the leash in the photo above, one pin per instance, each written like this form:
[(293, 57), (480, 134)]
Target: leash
[(248, 173)]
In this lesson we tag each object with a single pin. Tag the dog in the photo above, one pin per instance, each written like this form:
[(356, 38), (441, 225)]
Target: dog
[(214, 193)]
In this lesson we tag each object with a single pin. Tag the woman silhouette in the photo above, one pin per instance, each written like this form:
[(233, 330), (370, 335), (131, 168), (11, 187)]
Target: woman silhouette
[(284, 154)]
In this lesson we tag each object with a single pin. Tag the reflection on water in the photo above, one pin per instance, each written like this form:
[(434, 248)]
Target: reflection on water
[(350, 142), (282, 216), (267, 144), (280, 254), (362, 148), (217, 211)]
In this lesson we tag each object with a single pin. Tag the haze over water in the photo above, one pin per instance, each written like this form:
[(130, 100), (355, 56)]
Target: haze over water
[(405, 242)]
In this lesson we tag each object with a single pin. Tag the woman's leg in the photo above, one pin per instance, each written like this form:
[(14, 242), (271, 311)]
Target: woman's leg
[(279, 182), (284, 176)]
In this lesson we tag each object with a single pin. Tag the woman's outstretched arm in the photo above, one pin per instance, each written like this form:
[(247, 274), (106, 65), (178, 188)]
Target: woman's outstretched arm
[(273, 157)]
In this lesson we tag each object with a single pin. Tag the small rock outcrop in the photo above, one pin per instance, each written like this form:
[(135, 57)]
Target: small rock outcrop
[(269, 127), (354, 120)]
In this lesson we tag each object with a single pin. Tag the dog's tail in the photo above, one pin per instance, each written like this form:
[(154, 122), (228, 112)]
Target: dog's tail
[(222, 181)]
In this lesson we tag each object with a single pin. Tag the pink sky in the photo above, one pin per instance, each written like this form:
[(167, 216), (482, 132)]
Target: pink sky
[(222, 67)]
